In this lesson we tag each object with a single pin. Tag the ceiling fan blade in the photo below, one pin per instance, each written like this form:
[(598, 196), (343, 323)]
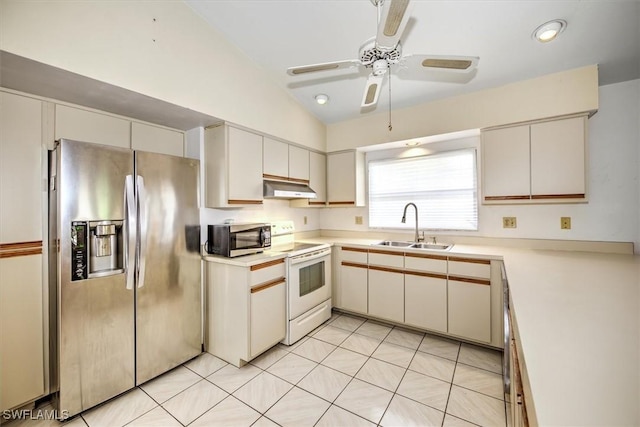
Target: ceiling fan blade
[(371, 91), (325, 66), (454, 63), (393, 20)]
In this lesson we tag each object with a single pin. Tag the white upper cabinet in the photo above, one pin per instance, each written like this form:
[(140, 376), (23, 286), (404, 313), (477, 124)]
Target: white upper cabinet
[(89, 126), (536, 162), (558, 159), (318, 177), (298, 164), (345, 179), (233, 167), (275, 163), (156, 139)]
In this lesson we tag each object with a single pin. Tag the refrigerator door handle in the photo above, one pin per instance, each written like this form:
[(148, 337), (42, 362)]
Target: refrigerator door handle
[(142, 212), (132, 228)]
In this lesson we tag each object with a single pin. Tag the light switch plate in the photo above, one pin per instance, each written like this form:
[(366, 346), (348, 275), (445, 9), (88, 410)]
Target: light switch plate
[(565, 223), (358, 220)]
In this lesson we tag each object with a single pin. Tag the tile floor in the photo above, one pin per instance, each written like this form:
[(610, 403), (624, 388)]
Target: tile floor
[(348, 372)]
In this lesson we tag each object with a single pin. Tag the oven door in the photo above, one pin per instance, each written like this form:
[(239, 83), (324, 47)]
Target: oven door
[(309, 281)]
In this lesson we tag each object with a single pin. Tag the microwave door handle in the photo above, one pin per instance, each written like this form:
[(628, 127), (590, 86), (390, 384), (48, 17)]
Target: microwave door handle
[(143, 213), (132, 229)]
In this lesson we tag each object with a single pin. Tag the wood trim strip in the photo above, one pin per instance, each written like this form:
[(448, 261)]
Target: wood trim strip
[(383, 252), (428, 256), (299, 180), (386, 269), (21, 245), (557, 196), (471, 280), (278, 177), (354, 264), (342, 203), (488, 198), (348, 248), (470, 260), (267, 264), (318, 203), (425, 274), (17, 253), (244, 202), (268, 285)]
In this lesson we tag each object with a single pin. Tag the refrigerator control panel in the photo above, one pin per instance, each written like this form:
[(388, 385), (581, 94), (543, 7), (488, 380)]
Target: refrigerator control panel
[(79, 267)]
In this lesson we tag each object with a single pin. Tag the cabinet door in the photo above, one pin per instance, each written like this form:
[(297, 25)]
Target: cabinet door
[(268, 316), (318, 177), (21, 330), (386, 294), (21, 181), (341, 175), (558, 158), (353, 288), (505, 164), (469, 310), (156, 139), (298, 164), (245, 166), (275, 159), (425, 301), (83, 125)]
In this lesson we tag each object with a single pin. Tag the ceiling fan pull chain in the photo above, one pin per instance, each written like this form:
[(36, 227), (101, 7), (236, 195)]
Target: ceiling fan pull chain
[(390, 127)]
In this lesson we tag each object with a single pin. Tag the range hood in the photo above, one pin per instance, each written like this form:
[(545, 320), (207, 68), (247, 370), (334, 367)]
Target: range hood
[(287, 190)]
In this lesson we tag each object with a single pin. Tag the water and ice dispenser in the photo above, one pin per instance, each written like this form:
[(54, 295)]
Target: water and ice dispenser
[(96, 249)]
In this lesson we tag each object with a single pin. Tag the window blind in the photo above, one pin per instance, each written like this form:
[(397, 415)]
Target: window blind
[(443, 186)]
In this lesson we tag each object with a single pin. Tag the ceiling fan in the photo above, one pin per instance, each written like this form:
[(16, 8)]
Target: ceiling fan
[(385, 49)]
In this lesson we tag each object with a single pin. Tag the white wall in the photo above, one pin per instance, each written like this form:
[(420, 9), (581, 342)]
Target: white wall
[(613, 185), (161, 49)]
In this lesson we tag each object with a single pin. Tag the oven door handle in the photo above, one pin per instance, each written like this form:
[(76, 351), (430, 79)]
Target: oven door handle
[(312, 256)]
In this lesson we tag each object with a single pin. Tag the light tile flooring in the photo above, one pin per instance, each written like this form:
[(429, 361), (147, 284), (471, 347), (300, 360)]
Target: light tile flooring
[(348, 372)]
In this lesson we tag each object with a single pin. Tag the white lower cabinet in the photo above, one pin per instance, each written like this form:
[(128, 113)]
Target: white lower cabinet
[(268, 316), (386, 294), (425, 301), (245, 308), (469, 310), (353, 291)]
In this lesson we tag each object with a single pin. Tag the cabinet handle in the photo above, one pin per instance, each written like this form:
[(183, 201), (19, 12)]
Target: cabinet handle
[(343, 203), (425, 274), (353, 264), (428, 256), (10, 250), (387, 269), (470, 260), (355, 249), (244, 202), (557, 196), (471, 280), (267, 264), (383, 252), (268, 285)]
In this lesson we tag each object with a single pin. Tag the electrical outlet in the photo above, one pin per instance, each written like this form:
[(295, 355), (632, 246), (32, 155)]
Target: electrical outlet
[(565, 223), (358, 220), (509, 222), (305, 220)]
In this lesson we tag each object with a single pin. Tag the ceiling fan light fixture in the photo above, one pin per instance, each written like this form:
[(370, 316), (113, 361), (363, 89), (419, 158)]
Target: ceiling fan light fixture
[(549, 30), (321, 98)]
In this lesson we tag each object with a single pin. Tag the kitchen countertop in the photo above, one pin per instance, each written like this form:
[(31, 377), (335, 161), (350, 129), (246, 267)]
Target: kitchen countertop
[(246, 260), (578, 322)]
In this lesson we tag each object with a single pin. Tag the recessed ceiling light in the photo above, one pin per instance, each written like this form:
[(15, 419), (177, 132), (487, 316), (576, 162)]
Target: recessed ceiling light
[(549, 30), (322, 99)]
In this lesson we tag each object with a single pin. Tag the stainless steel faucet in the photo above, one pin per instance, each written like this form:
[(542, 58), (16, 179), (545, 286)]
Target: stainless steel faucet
[(404, 220)]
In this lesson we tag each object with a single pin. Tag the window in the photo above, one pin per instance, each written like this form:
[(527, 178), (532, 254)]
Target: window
[(443, 186)]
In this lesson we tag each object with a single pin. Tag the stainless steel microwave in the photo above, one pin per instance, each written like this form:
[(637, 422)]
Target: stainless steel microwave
[(231, 240)]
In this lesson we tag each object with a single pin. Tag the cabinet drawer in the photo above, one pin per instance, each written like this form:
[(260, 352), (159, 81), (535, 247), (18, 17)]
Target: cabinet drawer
[(354, 255), (468, 267), (266, 272), (268, 318), (424, 262), (386, 258)]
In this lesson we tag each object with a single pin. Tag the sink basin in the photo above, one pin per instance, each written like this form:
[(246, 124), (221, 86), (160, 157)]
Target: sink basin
[(433, 246), (394, 244)]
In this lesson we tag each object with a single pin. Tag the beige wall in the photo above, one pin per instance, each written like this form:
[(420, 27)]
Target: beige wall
[(556, 94), (161, 49)]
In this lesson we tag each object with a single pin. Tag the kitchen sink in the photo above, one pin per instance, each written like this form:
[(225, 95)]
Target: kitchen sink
[(413, 245), (394, 244)]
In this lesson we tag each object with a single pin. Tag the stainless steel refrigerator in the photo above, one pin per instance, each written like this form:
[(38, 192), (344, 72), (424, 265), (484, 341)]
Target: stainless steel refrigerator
[(125, 265)]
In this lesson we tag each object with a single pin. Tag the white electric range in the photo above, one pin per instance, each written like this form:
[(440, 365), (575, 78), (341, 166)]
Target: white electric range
[(308, 275)]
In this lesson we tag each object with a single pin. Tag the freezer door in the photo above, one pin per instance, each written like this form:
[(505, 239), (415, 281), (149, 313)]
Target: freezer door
[(168, 289), (95, 338)]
